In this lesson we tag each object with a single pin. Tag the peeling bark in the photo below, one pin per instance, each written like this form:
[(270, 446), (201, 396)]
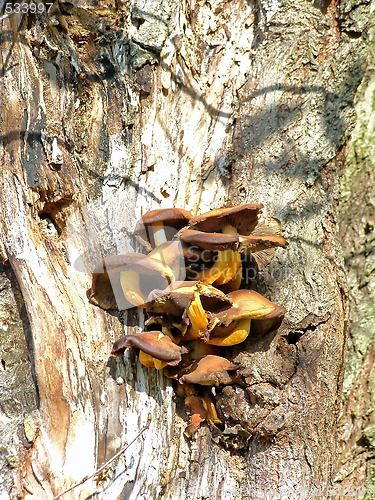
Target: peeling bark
[(112, 110)]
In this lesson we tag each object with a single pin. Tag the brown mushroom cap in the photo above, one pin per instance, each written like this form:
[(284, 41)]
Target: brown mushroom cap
[(154, 343), (177, 299), (209, 241), (106, 290), (210, 370), (249, 304), (243, 217), (257, 243), (175, 218)]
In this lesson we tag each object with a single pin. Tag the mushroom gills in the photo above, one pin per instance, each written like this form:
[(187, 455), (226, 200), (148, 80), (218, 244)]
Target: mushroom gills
[(149, 361), (197, 316), (236, 334)]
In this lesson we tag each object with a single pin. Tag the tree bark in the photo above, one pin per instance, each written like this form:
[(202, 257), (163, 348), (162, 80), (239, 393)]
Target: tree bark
[(110, 111), (355, 463)]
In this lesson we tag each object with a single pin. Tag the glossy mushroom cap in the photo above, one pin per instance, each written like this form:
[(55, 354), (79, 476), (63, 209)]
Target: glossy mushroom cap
[(173, 219), (210, 370), (153, 343), (209, 241), (243, 217), (110, 278), (176, 299), (257, 243), (249, 304)]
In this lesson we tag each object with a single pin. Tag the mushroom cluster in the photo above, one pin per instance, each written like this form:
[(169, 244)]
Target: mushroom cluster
[(189, 283)]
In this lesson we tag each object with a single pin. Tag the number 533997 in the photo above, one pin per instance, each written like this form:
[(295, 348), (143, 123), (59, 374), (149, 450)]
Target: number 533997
[(25, 8)]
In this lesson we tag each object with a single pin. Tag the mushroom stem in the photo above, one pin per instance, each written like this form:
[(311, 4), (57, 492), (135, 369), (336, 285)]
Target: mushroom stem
[(235, 335), (234, 283), (211, 410), (231, 260), (158, 233), (129, 281), (199, 348), (197, 316), (229, 229)]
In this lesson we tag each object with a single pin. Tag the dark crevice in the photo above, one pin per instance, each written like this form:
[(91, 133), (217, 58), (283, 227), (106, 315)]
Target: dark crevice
[(23, 316), (293, 337), (137, 21)]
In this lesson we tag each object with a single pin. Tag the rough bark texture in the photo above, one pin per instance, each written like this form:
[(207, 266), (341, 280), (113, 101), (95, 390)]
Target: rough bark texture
[(109, 111), (355, 465)]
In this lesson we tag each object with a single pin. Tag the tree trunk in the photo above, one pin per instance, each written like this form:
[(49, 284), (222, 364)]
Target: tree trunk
[(355, 464), (110, 111)]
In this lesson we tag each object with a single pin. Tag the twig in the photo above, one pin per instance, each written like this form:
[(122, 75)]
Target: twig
[(116, 455), (6, 16)]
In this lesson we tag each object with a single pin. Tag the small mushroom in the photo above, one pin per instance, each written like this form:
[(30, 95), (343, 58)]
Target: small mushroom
[(247, 305), (124, 281), (159, 226), (198, 414), (195, 304), (210, 370), (201, 409), (242, 217), (254, 234), (152, 344)]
